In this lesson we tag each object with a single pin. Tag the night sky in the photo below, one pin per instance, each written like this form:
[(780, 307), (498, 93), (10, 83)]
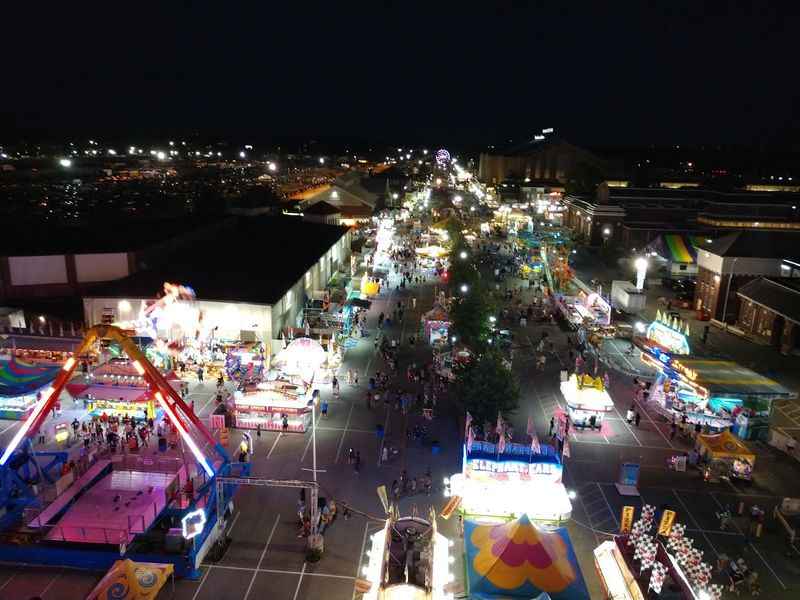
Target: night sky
[(403, 71)]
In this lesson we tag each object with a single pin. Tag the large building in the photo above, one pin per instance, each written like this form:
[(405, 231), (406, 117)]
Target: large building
[(726, 264), (550, 160), (770, 312), (49, 261), (634, 217), (252, 277)]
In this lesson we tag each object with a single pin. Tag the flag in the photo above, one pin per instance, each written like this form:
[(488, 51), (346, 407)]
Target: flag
[(470, 439), (469, 424), (500, 429), (566, 452), (531, 428), (501, 444)]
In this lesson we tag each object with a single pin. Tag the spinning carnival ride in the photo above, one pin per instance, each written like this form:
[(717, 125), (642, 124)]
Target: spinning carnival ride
[(195, 506)]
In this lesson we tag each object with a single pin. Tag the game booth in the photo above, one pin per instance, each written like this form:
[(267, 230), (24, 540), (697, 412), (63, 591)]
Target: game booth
[(717, 394), (269, 403), (520, 559), (726, 456), (666, 334), (20, 382), (497, 485), (436, 325), (118, 389)]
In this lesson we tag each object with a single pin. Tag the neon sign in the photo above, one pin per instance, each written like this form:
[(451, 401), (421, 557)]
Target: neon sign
[(192, 524), (667, 337), (510, 466)]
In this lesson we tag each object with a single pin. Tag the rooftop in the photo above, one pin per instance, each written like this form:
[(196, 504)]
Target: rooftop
[(779, 294), (23, 239), (253, 259), (751, 243)]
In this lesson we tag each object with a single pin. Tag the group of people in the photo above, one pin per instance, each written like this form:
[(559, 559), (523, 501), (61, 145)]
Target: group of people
[(406, 486)]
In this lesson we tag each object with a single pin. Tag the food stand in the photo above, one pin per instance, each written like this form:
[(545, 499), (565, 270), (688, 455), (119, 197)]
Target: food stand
[(726, 455), (267, 404), (496, 486), (587, 400)]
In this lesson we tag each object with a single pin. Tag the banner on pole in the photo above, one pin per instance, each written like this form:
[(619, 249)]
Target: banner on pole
[(626, 521)]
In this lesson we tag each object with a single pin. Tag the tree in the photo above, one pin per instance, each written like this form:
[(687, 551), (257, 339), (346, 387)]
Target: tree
[(486, 387), (470, 317)]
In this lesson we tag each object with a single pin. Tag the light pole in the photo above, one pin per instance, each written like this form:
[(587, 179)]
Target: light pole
[(728, 293), (641, 271)]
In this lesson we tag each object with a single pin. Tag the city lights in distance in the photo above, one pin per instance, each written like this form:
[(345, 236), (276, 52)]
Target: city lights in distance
[(161, 155), (272, 166), (322, 160), (242, 154)]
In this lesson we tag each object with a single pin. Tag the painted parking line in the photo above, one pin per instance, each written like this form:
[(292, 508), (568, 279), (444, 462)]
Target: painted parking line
[(696, 522), (261, 558), (344, 433), (275, 443), (766, 564)]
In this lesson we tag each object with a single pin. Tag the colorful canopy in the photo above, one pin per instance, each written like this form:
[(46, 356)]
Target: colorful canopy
[(677, 248), (724, 445), (521, 560), (128, 580), (18, 378)]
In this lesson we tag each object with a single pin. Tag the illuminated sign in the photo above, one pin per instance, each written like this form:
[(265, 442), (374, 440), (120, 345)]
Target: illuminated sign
[(668, 338), (684, 370), (548, 130), (192, 524), (512, 466)]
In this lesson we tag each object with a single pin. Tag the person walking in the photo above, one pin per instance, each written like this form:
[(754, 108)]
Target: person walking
[(637, 418), (357, 462)]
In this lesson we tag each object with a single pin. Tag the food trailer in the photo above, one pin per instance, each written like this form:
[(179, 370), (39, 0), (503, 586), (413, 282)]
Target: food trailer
[(497, 485)]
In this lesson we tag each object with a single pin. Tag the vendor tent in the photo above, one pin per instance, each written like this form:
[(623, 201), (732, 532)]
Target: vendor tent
[(518, 559), (18, 378), (129, 580), (724, 445)]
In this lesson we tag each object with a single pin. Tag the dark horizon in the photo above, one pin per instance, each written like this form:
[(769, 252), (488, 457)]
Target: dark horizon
[(425, 74)]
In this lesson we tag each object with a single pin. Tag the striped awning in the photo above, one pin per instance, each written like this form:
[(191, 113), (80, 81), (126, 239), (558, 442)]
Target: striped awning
[(676, 248)]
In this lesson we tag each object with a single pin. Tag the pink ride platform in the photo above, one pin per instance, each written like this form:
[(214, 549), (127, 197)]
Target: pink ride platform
[(121, 505)]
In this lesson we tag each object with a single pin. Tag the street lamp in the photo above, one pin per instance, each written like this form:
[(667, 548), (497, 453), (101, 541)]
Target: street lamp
[(728, 293), (65, 162), (463, 255), (272, 167), (464, 288), (641, 271)]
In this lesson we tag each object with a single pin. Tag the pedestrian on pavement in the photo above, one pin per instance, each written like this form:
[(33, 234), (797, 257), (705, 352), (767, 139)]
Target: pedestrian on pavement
[(357, 462), (395, 490), (629, 415), (637, 418), (673, 429), (552, 426), (258, 430), (351, 456), (324, 409)]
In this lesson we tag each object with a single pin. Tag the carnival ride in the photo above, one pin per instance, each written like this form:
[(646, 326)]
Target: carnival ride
[(120, 504)]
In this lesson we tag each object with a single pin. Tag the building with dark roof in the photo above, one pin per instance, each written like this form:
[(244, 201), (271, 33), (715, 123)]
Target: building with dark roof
[(48, 261), (726, 264), (770, 312), (253, 275), (634, 217)]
